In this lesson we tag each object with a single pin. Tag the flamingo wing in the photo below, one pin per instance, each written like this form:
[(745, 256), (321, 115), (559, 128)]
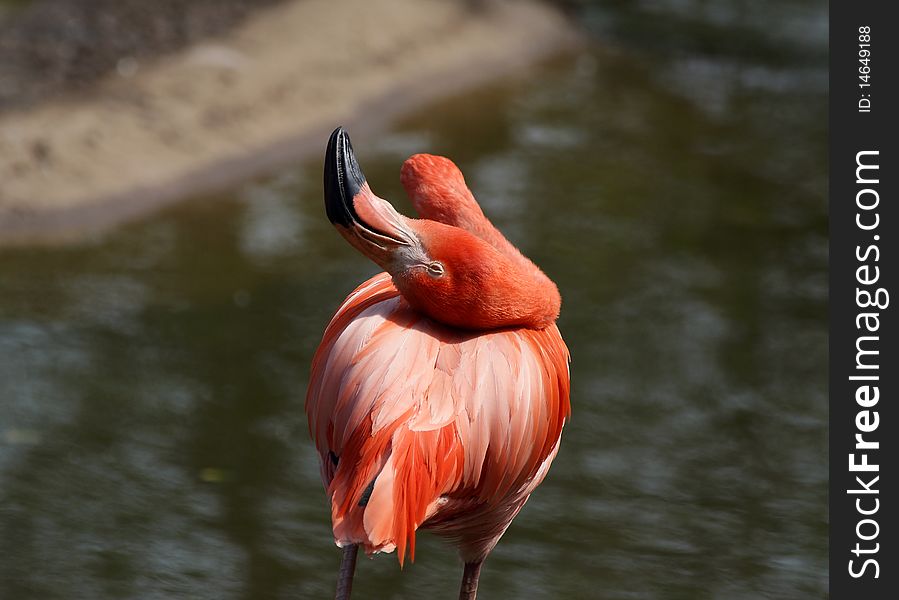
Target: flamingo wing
[(419, 425)]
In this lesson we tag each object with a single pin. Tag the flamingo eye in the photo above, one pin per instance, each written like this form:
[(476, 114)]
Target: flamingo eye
[(435, 269)]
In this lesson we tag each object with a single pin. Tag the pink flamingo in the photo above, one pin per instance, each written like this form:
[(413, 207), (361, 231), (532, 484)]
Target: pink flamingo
[(439, 391)]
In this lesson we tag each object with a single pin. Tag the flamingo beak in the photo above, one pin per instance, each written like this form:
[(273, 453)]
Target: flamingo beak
[(368, 222)]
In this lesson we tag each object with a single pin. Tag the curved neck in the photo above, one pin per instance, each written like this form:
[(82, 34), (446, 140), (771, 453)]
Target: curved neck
[(523, 294), (439, 193)]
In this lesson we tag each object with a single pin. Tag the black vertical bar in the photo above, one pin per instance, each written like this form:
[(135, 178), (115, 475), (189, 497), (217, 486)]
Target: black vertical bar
[(864, 365)]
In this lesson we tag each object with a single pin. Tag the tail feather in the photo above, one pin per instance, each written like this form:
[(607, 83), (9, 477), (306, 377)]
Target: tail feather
[(413, 470)]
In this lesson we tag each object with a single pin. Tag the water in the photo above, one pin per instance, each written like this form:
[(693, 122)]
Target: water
[(671, 180)]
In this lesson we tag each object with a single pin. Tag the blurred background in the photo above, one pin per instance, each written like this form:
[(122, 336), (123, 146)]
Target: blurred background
[(669, 175)]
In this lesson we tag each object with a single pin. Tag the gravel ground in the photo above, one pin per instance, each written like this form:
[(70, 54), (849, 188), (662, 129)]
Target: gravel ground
[(52, 46)]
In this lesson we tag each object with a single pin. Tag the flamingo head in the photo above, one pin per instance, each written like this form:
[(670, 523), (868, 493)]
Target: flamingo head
[(447, 272)]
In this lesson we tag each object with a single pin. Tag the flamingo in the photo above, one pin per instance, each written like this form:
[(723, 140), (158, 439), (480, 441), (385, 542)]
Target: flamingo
[(440, 388)]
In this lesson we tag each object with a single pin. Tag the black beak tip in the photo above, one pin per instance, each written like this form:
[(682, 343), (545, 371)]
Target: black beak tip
[(343, 179)]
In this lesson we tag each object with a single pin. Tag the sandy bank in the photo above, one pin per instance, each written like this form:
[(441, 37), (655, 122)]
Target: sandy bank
[(258, 98)]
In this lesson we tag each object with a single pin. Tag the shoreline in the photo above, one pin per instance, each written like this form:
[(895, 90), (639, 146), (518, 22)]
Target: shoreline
[(248, 103)]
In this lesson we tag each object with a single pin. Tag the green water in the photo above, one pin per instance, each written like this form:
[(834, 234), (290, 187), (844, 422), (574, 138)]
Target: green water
[(671, 180)]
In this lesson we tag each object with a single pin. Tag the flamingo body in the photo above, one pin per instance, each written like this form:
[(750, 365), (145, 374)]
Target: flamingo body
[(454, 428)]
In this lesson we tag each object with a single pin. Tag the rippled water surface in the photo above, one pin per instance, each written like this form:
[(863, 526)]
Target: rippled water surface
[(671, 179)]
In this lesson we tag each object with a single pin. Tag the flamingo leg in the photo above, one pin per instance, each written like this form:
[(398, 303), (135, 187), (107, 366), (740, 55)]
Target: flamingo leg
[(345, 575), (470, 578)]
